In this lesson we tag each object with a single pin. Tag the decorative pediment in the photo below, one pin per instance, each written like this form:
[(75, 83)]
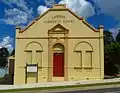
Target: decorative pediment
[(58, 29)]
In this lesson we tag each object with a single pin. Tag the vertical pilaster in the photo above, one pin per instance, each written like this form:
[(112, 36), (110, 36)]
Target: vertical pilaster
[(49, 58), (83, 58), (33, 56), (101, 28), (66, 57)]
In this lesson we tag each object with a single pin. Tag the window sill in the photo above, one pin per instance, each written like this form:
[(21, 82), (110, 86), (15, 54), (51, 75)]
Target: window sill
[(39, 67), (87, 67), (82, 67), (78, 67)]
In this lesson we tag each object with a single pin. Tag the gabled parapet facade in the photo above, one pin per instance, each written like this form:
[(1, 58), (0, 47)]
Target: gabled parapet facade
[(58, 46)]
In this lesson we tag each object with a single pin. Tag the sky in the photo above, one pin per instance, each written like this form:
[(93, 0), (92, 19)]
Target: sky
[(20, 12)]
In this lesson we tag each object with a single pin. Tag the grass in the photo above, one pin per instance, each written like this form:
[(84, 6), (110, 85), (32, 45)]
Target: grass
[(60, 87), (1, 78)]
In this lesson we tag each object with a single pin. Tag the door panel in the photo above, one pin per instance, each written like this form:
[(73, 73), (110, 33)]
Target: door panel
[(58, 65)]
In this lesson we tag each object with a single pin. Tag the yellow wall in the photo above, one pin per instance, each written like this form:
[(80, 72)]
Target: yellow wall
[(77, 33), (83, 72), (20, 60)]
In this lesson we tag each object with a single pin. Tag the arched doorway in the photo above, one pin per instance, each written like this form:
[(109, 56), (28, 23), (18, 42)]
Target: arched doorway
[(58, 60)]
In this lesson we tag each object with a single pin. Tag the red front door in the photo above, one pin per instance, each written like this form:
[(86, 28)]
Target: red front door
[(58, 65)]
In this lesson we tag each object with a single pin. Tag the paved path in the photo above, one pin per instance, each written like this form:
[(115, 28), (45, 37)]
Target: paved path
[(107, 90), (95, 89), (51, 84)]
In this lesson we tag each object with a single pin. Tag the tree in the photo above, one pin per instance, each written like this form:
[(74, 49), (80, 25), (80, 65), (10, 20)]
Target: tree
[(112, 54), (13, 53), (108, 38), (3, 57), (113, 51), (112, 58), (118, 37)]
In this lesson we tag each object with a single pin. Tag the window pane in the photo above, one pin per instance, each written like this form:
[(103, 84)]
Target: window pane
[(29, 57), (39, 58), (78, 58), (88, 59)]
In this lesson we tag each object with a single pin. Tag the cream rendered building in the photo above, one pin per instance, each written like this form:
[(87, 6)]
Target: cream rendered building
[(58, 46)]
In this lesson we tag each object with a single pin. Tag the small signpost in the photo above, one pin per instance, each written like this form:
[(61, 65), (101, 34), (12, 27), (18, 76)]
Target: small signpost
[(32, 68)]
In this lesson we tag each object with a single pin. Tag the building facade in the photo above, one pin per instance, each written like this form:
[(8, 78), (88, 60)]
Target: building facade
[(58, 46)]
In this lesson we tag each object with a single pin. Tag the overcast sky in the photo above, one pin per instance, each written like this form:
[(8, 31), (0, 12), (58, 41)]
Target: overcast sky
[(21, 12)]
